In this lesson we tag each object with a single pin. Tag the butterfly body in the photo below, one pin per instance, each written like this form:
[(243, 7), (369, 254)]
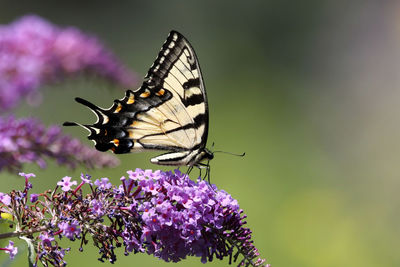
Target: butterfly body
[(184, 158), (168, 112)]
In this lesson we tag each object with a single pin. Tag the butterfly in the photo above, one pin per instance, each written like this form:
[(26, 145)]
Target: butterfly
[(168, 112)]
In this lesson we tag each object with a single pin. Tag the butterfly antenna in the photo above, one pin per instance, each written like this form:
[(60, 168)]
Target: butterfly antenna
[(230, 153)]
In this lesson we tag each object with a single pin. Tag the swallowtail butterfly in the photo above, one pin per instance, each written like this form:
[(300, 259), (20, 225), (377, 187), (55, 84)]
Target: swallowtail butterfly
[(168, 112)]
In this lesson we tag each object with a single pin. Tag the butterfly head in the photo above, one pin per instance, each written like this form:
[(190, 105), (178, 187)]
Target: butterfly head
[(208, 155), (203, 155)]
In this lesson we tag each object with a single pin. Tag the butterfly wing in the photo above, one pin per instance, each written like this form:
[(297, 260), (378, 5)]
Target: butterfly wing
[(168, 112)]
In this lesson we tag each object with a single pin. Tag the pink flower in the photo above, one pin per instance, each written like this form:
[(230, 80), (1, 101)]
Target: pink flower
[(10, 249), (46, 238), (70, 230), (66, 183), (103, 184), (5, 199)]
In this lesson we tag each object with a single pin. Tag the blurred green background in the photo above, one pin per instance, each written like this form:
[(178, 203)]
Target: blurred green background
[(308, 89)]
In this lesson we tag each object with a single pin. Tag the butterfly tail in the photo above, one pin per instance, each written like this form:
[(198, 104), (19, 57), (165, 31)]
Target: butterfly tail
[(69, 123), (107, 133)]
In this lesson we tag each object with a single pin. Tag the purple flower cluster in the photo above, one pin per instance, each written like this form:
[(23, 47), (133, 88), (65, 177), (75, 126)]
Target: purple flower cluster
[(181, 218), (164, 214), (33, 52), (29, 141)]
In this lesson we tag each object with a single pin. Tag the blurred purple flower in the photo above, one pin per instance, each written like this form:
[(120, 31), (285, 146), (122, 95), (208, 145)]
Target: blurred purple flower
[(34, 197), (34, 52), (27, 175), (28, 141), (5, 199), (86, 178), (10, 249)]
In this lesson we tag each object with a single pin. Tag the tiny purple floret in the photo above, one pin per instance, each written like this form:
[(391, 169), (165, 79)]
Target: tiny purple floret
[(46, 238), (66, 183), (86, 178), (34, 197), (97, 207), (5, 199), (103, 184), (70, 230), (27, 175), (10, 249)]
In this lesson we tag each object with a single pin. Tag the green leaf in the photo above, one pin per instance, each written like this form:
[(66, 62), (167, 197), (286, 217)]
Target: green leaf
[(31, 251)]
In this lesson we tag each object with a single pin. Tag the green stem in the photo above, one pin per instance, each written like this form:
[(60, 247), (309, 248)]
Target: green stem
[(23, 233)]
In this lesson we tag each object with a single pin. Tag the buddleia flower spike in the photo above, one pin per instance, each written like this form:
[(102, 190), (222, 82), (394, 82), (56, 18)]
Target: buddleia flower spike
[(164, 214), (29, 141), (35, 52)]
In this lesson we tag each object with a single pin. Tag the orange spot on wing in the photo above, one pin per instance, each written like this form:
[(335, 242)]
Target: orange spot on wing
[(134, 123), (145, 94), (160, 92), (131, 99), (116, 142), (118, 108)]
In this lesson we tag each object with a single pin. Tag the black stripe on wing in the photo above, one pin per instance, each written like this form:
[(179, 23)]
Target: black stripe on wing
[(173, 48), (191, 83), (171, 51)]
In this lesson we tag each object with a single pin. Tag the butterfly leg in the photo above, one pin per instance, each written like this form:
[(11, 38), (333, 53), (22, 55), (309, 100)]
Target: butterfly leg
[(189, 170), (207, 167), (209, 171)]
